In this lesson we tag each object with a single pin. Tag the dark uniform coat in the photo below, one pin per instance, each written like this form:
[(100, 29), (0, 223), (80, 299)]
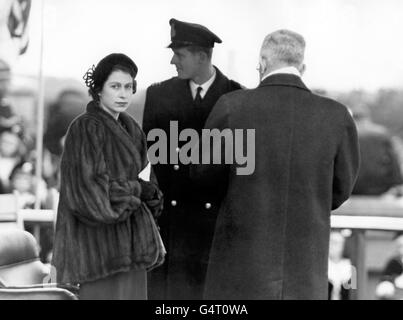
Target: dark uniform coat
[(188, 218), (272, 234)]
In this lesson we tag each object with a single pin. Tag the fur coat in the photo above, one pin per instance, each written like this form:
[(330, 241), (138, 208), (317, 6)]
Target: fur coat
[(105, 219)]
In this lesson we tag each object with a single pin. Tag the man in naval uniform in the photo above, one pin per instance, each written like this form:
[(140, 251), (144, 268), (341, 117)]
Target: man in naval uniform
[(188, 221)]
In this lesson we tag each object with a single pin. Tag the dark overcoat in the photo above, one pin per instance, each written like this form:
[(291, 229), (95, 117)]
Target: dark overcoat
[(104, 219), (188, 219), (272, 233)]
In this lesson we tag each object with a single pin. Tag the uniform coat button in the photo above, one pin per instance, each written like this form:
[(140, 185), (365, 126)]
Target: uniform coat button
[(207, 205), (173, 203), (176, 167)]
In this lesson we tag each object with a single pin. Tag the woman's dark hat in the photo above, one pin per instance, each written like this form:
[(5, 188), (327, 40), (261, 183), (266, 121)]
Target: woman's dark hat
[(95, 77), (114, 59), (185, 34)]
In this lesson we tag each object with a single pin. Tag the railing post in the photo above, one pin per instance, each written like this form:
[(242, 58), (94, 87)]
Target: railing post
[(358, 261)]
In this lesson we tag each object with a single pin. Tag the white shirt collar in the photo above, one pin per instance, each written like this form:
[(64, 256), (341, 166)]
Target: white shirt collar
[(288, 70), (205, 86)]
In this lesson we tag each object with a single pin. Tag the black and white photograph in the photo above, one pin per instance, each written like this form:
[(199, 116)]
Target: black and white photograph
[(197, 155)]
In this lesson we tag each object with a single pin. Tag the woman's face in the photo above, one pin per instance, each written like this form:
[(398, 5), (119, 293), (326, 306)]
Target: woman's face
[(116, 93)]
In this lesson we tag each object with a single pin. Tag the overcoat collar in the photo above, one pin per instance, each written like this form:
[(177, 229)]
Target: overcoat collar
[(283, 79), (217, 85), (126, 137)]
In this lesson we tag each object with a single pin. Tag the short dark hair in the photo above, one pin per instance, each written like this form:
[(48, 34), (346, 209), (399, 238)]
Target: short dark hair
[(195, 49), (95, 77)]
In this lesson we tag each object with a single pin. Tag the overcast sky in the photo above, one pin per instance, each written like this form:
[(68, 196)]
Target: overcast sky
[(351, 44)]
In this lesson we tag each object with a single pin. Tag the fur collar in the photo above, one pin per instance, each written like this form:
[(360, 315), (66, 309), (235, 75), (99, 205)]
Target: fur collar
[(128, 137)]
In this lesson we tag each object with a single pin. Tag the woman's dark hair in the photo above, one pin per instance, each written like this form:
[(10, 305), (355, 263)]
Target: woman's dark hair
[(95, 77)]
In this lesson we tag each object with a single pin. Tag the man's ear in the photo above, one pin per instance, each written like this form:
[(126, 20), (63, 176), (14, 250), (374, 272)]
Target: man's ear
[(203, 56), (262, 65)]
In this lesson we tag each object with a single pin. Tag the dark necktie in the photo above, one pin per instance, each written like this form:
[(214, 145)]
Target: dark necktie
[(198, 117), (198, 98)]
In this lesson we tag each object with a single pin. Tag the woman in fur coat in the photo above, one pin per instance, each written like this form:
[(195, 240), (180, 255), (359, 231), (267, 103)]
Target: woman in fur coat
[(106, 238)]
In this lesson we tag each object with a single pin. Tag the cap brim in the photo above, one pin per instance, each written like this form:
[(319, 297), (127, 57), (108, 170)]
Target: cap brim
[(183, 44), (180, 44)]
